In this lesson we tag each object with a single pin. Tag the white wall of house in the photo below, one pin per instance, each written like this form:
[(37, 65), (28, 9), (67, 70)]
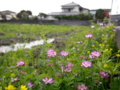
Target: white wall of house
[(86, 11), (93, 12), (50, 18), (13, 15), (73, 9), (0, 18), (76, 9), (8, 18)]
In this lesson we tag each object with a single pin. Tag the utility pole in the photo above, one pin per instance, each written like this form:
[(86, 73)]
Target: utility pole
[(110, 12)]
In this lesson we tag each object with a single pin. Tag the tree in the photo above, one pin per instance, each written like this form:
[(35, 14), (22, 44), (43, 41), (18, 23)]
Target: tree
[(19, 15), (42, 15), (3, 16), (106, 14), (28, 11), (24, 13), (100, 14)]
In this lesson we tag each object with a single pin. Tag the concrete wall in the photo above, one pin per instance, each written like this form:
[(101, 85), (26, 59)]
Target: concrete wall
[(118, 37), (115, 17), (73, 22), (56, 22)]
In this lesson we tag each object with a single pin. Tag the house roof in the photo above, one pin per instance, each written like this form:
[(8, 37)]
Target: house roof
[(70, 4), (8, 11), (102, 9), (63, 13)]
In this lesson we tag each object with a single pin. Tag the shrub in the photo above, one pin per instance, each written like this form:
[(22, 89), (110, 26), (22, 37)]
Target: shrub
[(81, 16)]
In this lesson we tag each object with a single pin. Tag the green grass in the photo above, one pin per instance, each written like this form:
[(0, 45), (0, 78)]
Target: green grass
[(36, 67), (33, 30)]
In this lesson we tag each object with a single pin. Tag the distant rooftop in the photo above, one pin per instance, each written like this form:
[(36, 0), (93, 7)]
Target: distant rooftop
[(8, 11), (100, 8), (71, 4)]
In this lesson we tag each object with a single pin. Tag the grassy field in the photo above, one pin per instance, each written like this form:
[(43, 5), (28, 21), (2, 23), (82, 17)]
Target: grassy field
[(47, 67)]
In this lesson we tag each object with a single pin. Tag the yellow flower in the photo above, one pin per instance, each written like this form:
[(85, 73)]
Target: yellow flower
[(88, 51), (67, 58), (106, 50), (119, 51), (100, 44), (105, 65), (118, 55), (3, 76), (74, 54), (59, 61), (111, 49), (0, 82), (103, 45), (23, 87), (12, 75), (93, 45), (107, 45), (35, 71), (10, 87)]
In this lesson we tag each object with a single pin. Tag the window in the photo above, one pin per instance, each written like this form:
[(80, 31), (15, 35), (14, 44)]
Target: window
[(69, 10)]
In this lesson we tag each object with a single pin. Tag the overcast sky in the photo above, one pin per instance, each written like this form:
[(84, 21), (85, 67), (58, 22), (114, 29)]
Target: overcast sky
[(48, 6)]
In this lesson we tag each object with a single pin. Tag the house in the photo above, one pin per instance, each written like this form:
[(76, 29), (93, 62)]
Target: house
[(68, 9), (8, 14), (94, 11)]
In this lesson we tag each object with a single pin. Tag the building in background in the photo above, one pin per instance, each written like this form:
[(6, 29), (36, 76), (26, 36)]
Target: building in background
[(94, 11), (68, 9), (8, 14)]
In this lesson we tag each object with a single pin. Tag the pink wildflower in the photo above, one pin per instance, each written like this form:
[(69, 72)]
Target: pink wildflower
[(91, 56), (114, 30), (69, 45), (81, 87), (101, 24), (14, 79), (86, 64), (50, 64), (51, 53), (82, 57), (88, 36), (92, 26), (95, 54), (46, 80), (20, 63), (30, 84), (81, 42), (75, 74), (68, 67), (68, 70), (105, 41), (104, 74), (64, 53)]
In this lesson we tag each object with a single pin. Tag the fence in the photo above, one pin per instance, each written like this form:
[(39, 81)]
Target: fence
[(56, 22), (59, 22)]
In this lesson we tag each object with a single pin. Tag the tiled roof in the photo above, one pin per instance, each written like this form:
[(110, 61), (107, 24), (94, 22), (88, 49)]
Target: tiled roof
[(63, 13), (102, 9), (71, 4), (8, 11)]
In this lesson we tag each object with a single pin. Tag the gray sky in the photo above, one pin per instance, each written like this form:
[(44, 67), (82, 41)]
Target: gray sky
[(48, 6)]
